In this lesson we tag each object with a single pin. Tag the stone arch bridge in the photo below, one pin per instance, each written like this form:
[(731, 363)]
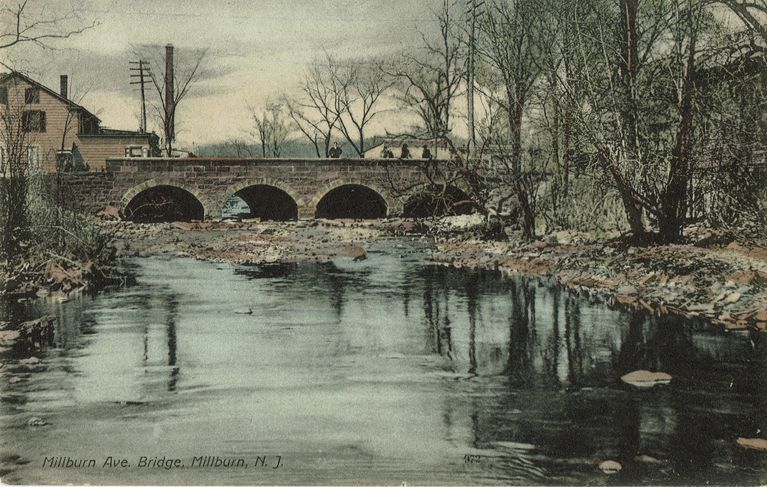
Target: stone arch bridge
[(278, 189)]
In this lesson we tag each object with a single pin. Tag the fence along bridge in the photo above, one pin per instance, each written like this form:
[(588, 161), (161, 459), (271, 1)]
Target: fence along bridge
[(167, 189)]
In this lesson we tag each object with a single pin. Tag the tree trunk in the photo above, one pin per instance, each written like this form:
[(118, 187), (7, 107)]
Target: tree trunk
[(631, 205), (629, 108), (674, 200), (566, 149), (555, 149), (528, 214), (629, 69)]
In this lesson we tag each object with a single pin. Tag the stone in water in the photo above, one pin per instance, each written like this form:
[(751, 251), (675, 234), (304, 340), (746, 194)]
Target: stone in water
[(645, 379), (610, 467), (753, 443)]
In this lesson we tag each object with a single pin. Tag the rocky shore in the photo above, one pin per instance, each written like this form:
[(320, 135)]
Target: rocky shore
[(717, 276), (60, 277), (724, 282)]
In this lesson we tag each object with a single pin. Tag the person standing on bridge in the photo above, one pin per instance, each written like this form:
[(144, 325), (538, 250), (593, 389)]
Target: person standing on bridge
[(405, 152), (426, 153), (335, 151)]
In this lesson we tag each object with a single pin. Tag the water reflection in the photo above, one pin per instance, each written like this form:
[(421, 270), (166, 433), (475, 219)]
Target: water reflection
[(389, 368)]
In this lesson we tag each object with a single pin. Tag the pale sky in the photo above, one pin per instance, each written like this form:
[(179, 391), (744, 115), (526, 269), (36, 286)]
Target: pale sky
[(257, 49)]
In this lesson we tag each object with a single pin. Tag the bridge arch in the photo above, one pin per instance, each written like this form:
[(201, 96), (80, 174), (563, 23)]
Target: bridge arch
[(267, 199), (351, 199), (168, 199)]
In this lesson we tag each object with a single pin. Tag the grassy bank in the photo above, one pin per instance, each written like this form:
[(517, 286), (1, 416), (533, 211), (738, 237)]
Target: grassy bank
[(55, 249)]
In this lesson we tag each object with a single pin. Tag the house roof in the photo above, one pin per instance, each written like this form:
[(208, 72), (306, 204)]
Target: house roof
[(107, 132), (15, 74)]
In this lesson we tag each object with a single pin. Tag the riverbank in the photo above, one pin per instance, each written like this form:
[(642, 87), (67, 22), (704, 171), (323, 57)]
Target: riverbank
[(40, 277), (721, 280), (716, 276)]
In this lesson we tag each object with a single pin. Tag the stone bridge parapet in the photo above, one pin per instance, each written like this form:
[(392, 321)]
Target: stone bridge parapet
[(212, 181)]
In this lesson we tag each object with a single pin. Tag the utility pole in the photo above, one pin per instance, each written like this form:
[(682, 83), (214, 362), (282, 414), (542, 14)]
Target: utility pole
[(143, 75)]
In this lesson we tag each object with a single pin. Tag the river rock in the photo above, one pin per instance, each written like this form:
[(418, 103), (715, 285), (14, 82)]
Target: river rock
[(183, 225), (648, 460), (35, 422), (644, 379), (357, 254), (628, 290), (564, 237), (61, 278), (752, 443), (748, 277), (610, 467), (8, 337), (109, 213)]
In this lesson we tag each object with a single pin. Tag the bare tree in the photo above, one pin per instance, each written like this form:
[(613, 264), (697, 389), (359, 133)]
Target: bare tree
[(14, 180), (314, 112), (357, 88), (238, 147), (753, 15), (428, 82), (271, 129), (24, 22), (636, 101), (173, 87), (37, 23), (512, 38)]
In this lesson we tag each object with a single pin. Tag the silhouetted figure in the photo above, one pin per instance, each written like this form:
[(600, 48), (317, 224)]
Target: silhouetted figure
[(386, 153), (426, 153), (335, 151), (405, 153)]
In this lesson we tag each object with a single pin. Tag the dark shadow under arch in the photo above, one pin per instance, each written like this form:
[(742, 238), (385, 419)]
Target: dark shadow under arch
[(268, 203), (438, 201), (351, 201), (164, 203)]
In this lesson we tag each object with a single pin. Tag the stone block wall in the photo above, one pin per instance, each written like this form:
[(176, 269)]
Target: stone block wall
[(213, 181)]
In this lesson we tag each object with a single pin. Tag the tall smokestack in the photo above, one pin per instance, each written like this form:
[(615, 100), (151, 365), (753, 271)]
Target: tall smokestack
[(169, 92), (63, 87)]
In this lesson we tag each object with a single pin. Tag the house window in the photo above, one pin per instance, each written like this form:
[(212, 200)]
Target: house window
[(32, 95), (33, 121), (134, 151), (33, 159), (3, 95), (87, 124)]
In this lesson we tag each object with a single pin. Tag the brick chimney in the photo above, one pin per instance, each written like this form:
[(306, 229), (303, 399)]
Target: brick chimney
[(169, 91), (64, 86)]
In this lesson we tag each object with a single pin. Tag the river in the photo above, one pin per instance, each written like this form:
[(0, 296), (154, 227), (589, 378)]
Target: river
[(384, 371)]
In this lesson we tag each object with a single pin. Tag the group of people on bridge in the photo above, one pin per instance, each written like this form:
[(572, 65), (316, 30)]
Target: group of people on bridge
[(386, 153)]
